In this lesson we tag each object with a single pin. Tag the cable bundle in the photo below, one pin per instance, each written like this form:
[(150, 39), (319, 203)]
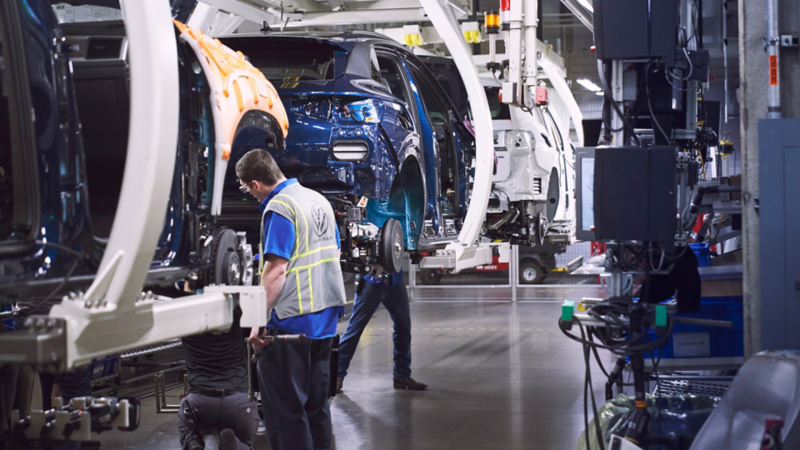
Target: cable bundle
[(617, 337)]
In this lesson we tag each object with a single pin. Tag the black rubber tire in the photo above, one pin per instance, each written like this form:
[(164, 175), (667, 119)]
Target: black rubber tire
[(430, 277), (392, 246), (222, 255), (530, 272), (553, 196)]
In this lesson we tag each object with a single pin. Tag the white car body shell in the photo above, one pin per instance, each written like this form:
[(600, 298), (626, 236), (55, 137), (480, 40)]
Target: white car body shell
[(528, 156)]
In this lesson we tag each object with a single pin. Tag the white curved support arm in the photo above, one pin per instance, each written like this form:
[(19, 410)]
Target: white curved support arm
[(114, 315), (564, 93), (152, 141), (465, 251), (450, 31), (149, 168)]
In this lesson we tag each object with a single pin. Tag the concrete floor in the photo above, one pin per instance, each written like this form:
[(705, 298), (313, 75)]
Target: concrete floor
[(501, 376)]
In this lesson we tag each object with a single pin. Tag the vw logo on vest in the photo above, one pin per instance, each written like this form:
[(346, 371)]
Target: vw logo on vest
[(320, 217)]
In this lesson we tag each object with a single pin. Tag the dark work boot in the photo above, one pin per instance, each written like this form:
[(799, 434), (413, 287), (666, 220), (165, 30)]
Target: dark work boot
[(228, 440), (194, 443), (410, 384)]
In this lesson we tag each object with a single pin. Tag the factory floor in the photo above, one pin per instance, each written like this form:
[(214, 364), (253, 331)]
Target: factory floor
[(501, 376)]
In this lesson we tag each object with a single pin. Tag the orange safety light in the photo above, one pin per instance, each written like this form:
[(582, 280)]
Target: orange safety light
[(492, 22)]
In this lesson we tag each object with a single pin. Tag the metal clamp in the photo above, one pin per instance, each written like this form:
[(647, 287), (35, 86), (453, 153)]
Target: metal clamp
[(787, 40), (161, 394), (682, 160), (771, 40)]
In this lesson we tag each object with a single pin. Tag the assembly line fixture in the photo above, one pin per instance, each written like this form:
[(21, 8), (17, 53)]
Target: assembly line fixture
[(114, 315)]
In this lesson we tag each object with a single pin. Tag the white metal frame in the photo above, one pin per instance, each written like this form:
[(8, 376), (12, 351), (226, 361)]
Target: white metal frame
[(465, 252), (114, 315)]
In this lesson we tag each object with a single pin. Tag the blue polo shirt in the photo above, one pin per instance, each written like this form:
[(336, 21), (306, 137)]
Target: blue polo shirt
[(279, 237)]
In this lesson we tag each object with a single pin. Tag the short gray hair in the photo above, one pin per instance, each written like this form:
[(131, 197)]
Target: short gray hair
[(258, 165)]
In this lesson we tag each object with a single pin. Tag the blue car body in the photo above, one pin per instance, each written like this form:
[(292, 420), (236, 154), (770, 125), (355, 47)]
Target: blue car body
[(366, 121), (73, 151)]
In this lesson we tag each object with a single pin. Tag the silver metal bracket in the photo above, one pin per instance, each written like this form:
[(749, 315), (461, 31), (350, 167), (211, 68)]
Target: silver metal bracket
[(160, 382), (42, 342), (682, 160), (787, 40), (771, 40)]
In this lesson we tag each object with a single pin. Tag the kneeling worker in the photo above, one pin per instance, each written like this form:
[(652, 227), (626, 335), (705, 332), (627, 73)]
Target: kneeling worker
[(217, 367), (303, 279)]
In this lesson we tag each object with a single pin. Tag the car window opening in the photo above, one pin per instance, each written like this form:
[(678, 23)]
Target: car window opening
[(102, 94), (392, 79), (309, 61), (448, 169), (498, 109)]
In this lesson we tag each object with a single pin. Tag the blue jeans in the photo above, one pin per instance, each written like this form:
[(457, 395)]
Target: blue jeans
[(395, 299)]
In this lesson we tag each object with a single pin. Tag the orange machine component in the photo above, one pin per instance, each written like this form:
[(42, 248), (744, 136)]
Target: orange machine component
[(236, 89)]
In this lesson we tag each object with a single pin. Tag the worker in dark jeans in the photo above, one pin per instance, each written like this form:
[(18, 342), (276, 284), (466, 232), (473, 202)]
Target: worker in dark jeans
[(216, 364), (371, 292)]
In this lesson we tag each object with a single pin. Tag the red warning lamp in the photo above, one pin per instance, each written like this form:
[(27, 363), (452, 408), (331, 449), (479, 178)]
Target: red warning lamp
[(541, 95)]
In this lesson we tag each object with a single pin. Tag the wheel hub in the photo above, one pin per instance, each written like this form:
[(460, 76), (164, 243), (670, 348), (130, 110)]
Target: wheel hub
[(233, 274), (529, 274)]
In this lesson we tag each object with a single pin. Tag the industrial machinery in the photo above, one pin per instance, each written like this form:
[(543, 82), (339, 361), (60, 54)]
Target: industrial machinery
[(534, 262), (54, 239), (114, 314), (533, 179), (466, 252), (654, 164), (116, 290), (372, 132), (652, 242), (74, 421), (168, 62), (532, 198)]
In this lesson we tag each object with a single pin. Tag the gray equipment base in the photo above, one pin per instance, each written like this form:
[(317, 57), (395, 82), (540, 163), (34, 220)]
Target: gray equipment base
[(765, 387)]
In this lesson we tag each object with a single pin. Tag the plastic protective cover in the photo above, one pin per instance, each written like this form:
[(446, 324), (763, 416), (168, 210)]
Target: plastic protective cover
[(680, 414)]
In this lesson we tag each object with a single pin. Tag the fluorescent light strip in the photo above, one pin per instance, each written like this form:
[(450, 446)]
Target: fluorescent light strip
[(587, 4), (589, 85)]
